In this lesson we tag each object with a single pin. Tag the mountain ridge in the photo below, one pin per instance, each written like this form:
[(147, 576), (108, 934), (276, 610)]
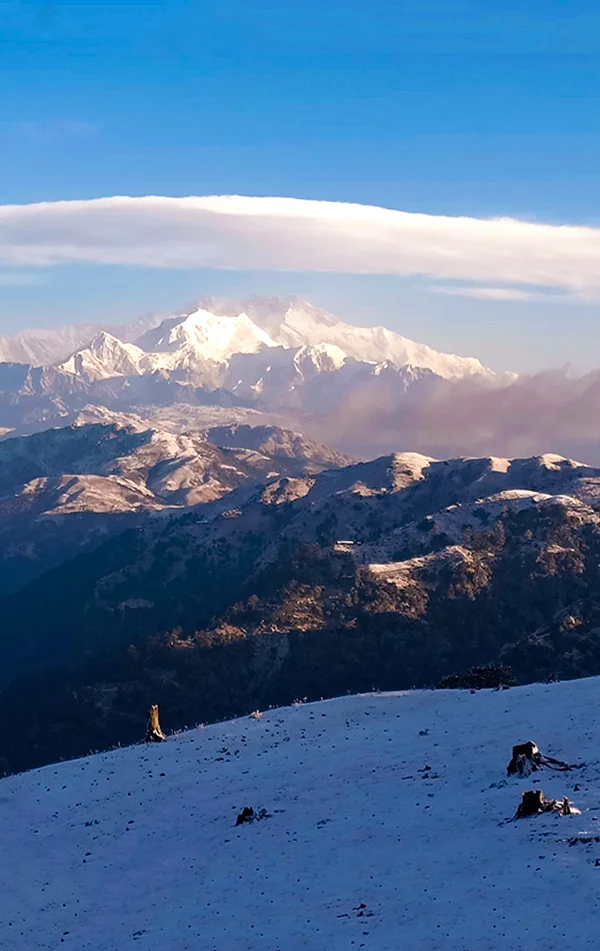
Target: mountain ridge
[(294, 323), (284, 357), (65, 491), (392, 573)]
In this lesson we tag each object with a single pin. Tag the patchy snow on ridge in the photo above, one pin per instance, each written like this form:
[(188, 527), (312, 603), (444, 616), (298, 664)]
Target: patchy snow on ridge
[(387, 828)]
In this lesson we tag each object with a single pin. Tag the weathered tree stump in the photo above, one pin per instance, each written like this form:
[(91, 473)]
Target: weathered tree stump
[(533, 802), (154, 734), (526, 757)]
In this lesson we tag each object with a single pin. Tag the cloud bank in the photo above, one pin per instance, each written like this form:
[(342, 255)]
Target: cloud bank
[(547, 412), (296, 235)]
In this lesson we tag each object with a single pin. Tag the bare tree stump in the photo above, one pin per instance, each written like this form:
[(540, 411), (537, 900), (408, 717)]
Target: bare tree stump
[(154, 734), (526, 757), (533, 802)]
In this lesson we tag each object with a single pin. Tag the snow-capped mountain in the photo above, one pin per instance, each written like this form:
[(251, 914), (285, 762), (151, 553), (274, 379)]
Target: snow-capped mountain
[(216, 335), (105, 357), (218, 329), (45, 347), (201, 346), (385, 826), (278, 356), (210, 336), (293, 322)]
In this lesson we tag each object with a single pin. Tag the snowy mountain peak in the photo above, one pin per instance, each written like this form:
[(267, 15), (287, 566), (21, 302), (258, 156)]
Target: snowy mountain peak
[(293, 322), (273, 356), (323, 357), (212, 336), (105, 357)]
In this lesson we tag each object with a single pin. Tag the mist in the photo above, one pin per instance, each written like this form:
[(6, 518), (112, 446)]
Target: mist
[(550, 412)]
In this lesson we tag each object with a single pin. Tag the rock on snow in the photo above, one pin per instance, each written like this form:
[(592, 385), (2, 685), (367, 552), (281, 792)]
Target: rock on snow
[(386, 830)]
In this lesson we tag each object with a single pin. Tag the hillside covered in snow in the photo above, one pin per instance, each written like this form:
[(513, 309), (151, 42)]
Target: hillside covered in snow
[(387, 826)]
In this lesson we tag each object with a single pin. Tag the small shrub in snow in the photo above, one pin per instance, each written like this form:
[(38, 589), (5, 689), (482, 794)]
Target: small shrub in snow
[(248, 814), (478, 678)]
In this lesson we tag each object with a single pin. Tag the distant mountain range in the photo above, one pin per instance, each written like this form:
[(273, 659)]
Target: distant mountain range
[(261, 356), (217, 330)]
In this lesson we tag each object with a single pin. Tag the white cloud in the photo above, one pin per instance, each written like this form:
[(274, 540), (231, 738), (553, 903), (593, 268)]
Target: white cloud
[(497, 293), (297, 235)]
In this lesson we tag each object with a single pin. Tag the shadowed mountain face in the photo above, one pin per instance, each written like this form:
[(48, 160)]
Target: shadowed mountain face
[(383, 574), (64, 491)]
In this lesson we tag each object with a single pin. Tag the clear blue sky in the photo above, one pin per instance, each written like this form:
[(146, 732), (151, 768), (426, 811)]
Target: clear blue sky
[(450, 107)]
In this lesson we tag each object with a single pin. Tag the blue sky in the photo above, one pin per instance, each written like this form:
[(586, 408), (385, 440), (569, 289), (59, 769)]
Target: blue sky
[(448, 108)]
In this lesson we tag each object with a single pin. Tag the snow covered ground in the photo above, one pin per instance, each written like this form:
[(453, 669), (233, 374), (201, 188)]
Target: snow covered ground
[(387, 831)]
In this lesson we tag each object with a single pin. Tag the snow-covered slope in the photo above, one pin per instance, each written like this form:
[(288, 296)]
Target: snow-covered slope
[(44, 347), (387, 829), (105, 357)]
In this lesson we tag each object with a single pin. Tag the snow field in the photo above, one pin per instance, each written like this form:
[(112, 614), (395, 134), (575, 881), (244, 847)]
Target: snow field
[(386, 831)]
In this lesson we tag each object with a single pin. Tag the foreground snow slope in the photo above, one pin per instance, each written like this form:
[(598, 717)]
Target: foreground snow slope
[(364, 847)]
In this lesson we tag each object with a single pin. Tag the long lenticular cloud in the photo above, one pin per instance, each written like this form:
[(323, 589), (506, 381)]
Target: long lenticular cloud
[(297, 235)]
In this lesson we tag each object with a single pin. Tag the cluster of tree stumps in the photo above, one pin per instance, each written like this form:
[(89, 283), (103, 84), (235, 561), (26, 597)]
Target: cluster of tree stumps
[(527, 758)]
